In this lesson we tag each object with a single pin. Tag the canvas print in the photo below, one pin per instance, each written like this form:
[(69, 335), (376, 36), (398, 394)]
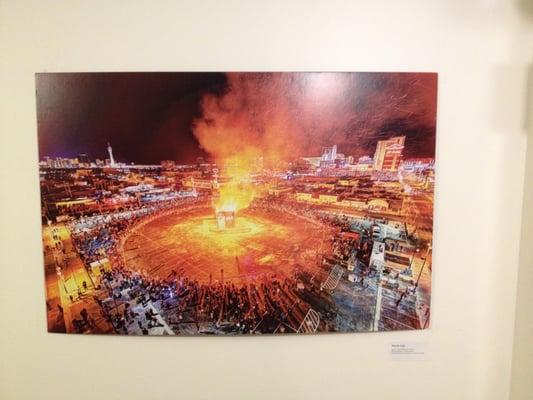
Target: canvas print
[(236, 203)]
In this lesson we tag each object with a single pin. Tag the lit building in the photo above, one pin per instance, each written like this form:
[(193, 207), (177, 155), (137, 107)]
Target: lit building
[(48, 162), (199, 183), (388, 154), (329, 153), (314, 161), (60, 162), (111, 159), (365, 160), (418, 164), (168, 164), (353, 203), (304, 196), (364, 164), (279, 191), (347, 182), (327, 198)]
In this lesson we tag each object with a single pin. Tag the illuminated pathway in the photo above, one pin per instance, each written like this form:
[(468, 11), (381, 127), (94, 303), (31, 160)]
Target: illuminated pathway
[(65, 274)]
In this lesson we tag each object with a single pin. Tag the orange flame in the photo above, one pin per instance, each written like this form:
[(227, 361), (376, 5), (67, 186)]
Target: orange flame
[(266, 116), (238, 192)]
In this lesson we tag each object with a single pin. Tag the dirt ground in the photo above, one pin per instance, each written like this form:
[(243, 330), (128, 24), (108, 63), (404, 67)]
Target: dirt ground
[(261, 244)]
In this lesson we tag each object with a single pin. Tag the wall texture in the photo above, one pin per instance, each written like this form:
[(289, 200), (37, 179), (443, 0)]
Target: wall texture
[(480, 48)]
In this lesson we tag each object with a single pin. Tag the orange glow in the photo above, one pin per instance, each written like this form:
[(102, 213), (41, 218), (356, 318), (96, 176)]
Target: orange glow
[(239, 191), (259, 243), (235, 196)]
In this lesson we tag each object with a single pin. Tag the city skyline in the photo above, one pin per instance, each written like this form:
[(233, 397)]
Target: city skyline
[(387, 156), (152, 117)]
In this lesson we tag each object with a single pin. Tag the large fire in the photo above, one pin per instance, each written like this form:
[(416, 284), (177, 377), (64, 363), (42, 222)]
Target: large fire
[(235, 196), (238, 191), (271, 117)]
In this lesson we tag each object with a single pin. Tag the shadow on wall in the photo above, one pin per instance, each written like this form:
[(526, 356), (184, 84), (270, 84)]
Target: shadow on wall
[(528, 113), (521, 383), (525, 7)]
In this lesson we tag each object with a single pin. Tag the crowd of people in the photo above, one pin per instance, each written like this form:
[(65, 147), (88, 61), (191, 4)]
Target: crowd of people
[(242, 308), (97, 235), (180, 300), (134, 303)]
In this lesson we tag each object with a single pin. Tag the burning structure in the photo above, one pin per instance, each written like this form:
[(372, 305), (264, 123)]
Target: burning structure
[(225, 219)]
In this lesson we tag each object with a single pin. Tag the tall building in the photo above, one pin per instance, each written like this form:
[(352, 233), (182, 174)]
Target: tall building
[(48, 161), (388, 154), (110, 151), (329, 153)]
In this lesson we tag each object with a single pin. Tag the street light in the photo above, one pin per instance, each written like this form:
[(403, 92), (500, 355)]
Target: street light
[(423, 265)]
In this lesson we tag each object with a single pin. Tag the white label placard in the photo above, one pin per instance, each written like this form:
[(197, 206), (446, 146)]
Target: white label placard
[(416, 351)]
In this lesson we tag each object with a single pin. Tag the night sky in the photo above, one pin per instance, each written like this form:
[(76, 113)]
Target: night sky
[(149, 117)]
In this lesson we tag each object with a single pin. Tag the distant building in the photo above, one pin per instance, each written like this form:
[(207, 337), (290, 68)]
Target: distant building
[(327, 198), (329, 153), (279, 191), (168, 164), (388, 154), (418, 164), (48, 162), (60, 162), (314, 161), (364, 164), (83, 159), (304, 196), (198, 183), (347, 182), (353, 203), (111, 159), (365, 160)]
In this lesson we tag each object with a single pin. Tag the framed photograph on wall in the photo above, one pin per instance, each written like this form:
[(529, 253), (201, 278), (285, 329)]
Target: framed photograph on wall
[(237, 203)]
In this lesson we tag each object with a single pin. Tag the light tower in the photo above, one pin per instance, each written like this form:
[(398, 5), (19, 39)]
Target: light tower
[(110, 151)]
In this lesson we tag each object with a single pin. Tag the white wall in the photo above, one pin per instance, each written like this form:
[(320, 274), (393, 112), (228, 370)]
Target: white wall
[(481, 50)]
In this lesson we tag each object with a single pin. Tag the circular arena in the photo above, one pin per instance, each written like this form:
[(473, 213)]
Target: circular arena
[(186, 268), (188, 243)]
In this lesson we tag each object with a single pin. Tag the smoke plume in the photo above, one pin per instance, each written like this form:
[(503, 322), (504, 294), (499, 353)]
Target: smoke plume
[(280, 116)]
